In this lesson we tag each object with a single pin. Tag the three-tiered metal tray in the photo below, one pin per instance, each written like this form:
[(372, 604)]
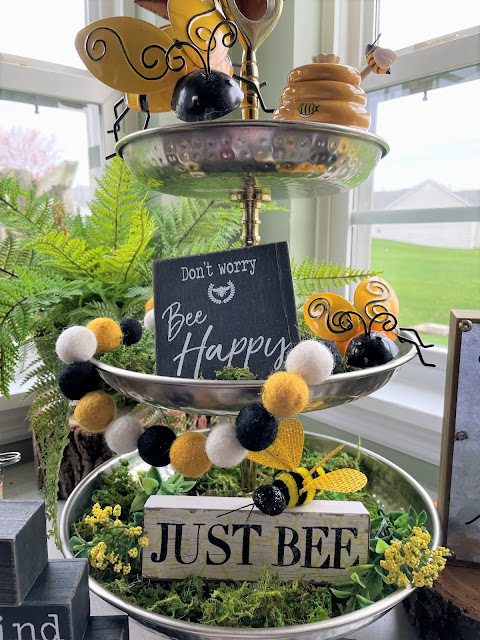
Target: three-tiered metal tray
[(251, 161)]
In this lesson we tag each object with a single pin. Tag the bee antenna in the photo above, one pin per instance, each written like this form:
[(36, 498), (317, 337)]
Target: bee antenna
[(376, 39), (178, 45), (228, 40), (389, 324), (239, 508)]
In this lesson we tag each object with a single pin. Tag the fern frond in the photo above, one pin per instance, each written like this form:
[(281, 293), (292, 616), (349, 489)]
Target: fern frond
[(310, 276), (49, 415), (110, 224), (121, 266), (22, 211), (69, 255)]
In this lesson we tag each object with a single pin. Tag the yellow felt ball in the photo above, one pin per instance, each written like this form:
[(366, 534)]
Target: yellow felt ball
[(107, 332), (188, 455), (149, 305), (285, 394), (95, 411)]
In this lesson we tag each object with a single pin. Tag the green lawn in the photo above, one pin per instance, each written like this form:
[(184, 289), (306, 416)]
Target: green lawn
[(429, 281)]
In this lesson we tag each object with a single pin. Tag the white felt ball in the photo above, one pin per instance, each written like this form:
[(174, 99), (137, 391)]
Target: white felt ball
[(76, 344), (149, 320), (312, 360), (122, 434), (222, 447)]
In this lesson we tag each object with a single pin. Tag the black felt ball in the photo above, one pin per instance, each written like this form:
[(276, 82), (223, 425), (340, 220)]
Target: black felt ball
[(132, 331), (337, 356), (269, 499), (78, 379), (256, 428), (154, 445)]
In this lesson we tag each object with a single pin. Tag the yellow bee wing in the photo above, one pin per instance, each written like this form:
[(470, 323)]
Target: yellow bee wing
[(322, 461), (375, 296), (194, 21), (327, 315), (286, 452), (341, 480), (128, 54)]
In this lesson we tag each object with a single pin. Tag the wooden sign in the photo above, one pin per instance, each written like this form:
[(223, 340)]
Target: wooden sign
[(23, 548), (191, 535), (459, 498), (227, 308), (56, 608)]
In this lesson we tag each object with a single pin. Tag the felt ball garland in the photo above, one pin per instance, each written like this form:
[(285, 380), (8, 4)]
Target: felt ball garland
[(335, 351), (311, 360), (78, 379), (122, 434), (132, 331), (107, 332), (154, 445), (76, 344), (285, 394), (188, 455), (256, 428), (95, 411), (223, 448)]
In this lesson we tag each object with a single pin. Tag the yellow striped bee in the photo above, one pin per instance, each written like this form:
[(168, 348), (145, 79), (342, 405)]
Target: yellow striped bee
[(379, 59), (307, 109), (297, 485)]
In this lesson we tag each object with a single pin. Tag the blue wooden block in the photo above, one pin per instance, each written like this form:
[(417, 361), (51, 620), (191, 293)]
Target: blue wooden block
[(23, 548), (57, 607), (107, 628)]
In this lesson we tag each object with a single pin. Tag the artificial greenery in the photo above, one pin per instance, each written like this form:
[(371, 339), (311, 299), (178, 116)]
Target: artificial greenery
[(399, 554), (154, 485), (58, 269), (398, 545), (235, 373), (310, 276)]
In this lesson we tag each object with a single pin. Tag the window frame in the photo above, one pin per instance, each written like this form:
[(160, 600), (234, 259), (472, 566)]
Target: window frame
[(406, 415)]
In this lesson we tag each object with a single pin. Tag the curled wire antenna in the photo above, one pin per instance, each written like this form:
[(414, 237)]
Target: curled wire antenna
[(228, 40)]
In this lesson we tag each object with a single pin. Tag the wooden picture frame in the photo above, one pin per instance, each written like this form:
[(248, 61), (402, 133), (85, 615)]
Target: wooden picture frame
[(459, 497)]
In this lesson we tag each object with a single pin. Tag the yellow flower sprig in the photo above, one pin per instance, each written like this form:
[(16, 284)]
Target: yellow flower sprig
[(411, 560), (115, 543)]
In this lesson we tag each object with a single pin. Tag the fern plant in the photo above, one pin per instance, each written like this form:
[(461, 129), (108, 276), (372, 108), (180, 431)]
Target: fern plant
[(59, 269)]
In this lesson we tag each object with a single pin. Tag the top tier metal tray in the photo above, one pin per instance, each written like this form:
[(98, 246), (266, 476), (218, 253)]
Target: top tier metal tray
[(285, 159)]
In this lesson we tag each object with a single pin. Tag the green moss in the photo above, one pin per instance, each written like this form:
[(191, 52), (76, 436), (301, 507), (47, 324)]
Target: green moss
[(266, 603), (137, 357)]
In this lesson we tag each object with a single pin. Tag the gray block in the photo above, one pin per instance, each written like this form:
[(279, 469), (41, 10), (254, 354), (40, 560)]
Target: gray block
[(107, 628), (23, 548), (57, 606)]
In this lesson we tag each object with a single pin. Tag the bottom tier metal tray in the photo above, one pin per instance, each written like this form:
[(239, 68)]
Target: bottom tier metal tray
[(392, 487)]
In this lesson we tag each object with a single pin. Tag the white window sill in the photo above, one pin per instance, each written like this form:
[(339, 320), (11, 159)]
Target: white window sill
[(405, 415)]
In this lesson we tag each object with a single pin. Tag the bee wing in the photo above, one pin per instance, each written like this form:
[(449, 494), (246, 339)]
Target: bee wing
[(194, 21), (322, 461), (128, 54), (341, 480), (384, 57), (286, 452)]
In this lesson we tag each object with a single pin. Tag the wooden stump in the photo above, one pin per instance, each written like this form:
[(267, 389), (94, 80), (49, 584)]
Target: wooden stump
[(83, 453), (451, 609)]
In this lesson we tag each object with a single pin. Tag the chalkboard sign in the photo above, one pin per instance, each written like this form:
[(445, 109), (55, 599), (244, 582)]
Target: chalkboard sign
[(211, 538), (227, 308), (459, 498)]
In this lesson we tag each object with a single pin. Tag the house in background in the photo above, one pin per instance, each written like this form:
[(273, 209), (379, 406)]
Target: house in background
[(428, 195)]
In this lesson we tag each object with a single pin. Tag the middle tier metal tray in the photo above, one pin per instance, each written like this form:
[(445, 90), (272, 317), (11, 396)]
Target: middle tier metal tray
[(222, 397)]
